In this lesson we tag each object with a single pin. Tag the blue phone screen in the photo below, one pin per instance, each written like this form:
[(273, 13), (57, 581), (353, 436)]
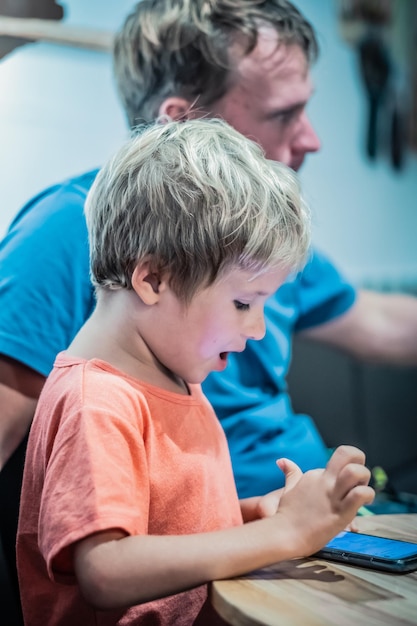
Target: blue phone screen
[(373, 546)]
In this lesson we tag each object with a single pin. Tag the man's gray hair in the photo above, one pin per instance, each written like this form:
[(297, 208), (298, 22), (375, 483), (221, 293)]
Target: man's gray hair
[(190, 48)]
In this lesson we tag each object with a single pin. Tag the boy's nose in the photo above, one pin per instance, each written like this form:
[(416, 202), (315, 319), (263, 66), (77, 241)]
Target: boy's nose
[(256, 329)]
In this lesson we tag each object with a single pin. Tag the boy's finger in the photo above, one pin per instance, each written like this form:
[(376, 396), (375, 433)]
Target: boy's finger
[(350, 476), (359, 496), (291, 470), (342, 456)]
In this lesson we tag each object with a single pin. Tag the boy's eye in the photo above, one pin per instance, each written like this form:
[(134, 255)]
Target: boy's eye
[(240, 306)]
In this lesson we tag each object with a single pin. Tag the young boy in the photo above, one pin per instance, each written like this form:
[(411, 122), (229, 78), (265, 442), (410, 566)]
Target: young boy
[(129, 506)]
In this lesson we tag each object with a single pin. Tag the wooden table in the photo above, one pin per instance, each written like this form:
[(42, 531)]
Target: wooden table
[(312, 592)]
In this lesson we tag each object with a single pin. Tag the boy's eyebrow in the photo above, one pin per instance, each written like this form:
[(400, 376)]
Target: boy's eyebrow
[(262, 293)]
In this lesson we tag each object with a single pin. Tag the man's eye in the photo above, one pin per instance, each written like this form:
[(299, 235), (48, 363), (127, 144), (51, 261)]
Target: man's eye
[(240, 306), (287, 117)]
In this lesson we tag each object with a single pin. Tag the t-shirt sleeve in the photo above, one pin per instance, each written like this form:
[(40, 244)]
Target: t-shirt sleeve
[(324, 293), (45, 289), (96, 475)]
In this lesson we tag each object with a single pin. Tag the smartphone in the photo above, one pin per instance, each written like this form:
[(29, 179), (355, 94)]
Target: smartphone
[(382, 553)]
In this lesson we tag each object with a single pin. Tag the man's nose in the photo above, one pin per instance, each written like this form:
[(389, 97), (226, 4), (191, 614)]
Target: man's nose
[(307, 139)]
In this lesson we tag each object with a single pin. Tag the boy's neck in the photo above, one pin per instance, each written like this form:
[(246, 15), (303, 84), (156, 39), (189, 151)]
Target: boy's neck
[(112, 334)]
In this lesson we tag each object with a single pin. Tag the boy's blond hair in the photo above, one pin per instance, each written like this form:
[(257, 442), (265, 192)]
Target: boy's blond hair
[(190, 48), (195, 198)]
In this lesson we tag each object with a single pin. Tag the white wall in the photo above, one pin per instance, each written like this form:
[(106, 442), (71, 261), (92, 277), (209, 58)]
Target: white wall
[(365, 213), (59, 115)]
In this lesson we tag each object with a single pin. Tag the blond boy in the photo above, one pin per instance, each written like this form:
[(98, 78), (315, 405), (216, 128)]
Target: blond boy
[(129, 506)]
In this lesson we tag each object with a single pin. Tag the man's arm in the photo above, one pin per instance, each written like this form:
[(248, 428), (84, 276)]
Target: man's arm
[(379, 327), (20, 387), (45, 297)]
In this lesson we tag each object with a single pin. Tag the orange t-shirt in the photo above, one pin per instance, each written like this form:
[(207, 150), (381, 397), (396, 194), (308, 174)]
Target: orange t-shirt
[(108, 451)]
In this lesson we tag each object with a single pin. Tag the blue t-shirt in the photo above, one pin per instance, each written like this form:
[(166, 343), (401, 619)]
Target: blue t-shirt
[(45, 289), (250, 396), (46, 296)]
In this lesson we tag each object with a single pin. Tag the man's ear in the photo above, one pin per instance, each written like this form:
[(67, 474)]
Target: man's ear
[(146, 284), (176, 109)]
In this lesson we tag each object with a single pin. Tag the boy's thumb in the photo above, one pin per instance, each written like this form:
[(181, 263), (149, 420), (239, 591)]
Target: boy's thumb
[(291, 470)]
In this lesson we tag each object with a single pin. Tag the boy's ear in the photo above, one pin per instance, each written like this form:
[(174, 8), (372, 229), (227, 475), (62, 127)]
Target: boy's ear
[(176, 109), (146, 284)]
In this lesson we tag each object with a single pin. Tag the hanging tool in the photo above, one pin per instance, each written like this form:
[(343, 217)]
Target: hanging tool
[(375, 69)]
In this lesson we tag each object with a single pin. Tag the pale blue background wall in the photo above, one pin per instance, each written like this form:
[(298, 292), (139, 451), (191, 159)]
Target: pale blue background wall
[(59, 115), (365, 213)]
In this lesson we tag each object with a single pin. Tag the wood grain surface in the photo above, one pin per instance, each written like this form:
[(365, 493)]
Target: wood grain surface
[(310, 592)]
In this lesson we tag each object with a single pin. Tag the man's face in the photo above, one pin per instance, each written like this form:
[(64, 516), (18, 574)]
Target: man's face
[(268, 98)]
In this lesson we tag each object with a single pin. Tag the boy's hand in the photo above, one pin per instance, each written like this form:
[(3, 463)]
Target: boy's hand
[(320, 503), (269, 503)]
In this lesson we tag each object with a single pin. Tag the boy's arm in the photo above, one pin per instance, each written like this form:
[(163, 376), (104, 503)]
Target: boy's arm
[(114, 570)]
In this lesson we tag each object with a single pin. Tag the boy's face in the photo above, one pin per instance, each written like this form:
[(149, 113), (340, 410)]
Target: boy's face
[(268, 98), (192, 341)]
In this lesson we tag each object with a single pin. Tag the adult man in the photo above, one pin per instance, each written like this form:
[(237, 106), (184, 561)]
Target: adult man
[(182, 59), (248, 62)]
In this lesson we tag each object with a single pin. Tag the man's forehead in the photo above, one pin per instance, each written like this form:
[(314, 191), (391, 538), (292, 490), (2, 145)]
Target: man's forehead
[(274, 74), (274, 56)]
